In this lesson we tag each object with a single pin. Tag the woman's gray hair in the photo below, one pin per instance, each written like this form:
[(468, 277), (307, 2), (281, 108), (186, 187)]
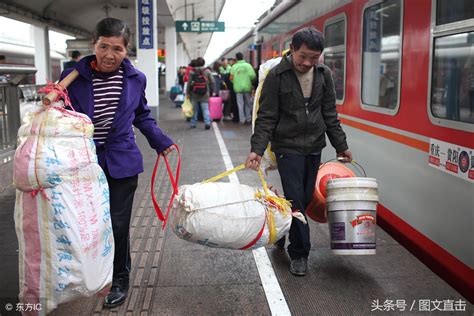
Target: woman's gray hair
[(109, 27)]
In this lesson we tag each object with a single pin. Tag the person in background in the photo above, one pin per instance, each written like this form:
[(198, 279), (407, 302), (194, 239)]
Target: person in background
[(295, 114), (231, 62), (189, 68), (387, 89), (234, 109), (75, 57), (224, 68), (99, 92), (242, 74), (216, 76), (181, 72), (199, 88)]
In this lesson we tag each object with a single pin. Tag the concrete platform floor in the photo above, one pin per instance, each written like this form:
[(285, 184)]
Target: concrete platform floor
[(174, 277)]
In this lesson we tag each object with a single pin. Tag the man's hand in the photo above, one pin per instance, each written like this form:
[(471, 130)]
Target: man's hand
[(345, 156), (167, 150), (253, 161)]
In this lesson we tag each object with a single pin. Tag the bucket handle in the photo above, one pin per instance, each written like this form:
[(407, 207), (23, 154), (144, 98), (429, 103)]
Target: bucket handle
[(357, 166)]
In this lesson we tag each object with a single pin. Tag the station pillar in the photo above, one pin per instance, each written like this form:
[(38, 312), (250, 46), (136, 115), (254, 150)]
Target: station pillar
[(181, 56), (42, 56), (171, 56), (147, 48)]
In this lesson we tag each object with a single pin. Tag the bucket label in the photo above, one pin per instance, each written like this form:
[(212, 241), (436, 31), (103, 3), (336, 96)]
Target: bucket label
[(361, 218), (352, 229)]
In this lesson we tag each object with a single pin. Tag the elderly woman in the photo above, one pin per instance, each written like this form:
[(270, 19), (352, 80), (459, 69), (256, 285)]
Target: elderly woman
[(112, 93)]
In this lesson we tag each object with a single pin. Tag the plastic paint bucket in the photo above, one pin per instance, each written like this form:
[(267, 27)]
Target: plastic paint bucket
[(352, 204), (316, 210)]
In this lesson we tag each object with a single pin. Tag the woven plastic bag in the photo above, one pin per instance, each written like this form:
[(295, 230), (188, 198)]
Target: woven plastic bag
[(62, 215), (230, 215)]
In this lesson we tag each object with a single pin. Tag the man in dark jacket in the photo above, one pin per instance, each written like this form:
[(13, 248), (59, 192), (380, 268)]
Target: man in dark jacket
[(297, 109), (75, 57)]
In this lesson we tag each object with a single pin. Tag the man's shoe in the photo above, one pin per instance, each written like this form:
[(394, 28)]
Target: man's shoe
[(280, 244), (299, 267), (207, 126), (117, 294)]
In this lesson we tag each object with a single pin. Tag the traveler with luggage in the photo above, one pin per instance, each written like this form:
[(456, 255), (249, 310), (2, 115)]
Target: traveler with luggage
[(297, 110), (199, 88), (99, 92)]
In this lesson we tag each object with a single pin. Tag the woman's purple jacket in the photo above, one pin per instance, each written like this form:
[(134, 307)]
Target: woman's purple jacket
[(119, 155)]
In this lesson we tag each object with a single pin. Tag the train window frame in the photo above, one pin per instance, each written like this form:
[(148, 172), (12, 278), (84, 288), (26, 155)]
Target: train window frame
[(337, 49), (370, 107), (436, 31)]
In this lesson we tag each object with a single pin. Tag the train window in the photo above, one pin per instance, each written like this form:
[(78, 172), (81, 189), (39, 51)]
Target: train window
[(381, 53), (451, 80), (449, 11), (287, 43), (335, 53)]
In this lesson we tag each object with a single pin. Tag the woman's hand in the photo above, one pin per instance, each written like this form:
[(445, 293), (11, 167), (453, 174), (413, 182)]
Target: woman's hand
[(167, 150)]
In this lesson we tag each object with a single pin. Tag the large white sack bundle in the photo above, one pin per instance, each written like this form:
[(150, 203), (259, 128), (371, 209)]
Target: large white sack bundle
[(268, 161), (62, 212), (228, 215), (53, 141)]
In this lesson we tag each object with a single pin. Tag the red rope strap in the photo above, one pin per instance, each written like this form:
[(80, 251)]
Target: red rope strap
[(60, 91), (174, 183)]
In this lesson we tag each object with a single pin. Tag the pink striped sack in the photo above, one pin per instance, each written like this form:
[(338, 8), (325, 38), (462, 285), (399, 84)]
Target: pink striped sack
[(62, 214)]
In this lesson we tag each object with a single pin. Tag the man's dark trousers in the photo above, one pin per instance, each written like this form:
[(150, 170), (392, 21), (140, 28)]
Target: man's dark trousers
[(122, 192), (298, 175)]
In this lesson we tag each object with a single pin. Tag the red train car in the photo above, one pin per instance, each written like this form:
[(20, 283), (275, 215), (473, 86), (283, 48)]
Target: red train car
[(404, 81)]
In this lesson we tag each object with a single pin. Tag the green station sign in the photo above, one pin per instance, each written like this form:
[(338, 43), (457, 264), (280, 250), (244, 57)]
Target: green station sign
[(199, 26)]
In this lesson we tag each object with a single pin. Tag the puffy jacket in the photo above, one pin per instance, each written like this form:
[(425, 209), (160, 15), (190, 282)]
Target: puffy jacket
[(242, 75), (290, 125)]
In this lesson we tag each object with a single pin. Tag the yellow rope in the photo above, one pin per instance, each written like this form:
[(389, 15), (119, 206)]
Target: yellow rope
[(272, 202), (224, 174), (264, 183), (271, 227)]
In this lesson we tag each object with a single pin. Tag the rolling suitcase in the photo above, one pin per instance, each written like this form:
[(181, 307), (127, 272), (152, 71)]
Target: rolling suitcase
[(215, 108)]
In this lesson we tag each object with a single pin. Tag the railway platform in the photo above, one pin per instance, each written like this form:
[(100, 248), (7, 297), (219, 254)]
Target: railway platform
[(175, 277)]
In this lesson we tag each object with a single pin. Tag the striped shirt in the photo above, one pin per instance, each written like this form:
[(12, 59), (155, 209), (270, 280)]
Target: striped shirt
[(107, 92)]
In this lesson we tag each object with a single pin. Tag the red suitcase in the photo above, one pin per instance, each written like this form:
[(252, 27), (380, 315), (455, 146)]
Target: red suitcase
[(215, 108)]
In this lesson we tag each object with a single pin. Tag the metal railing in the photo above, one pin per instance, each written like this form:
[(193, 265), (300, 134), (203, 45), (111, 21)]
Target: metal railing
[(10, 76)]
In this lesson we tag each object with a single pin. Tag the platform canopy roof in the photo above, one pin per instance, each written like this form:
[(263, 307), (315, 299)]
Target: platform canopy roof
[(78, 17)]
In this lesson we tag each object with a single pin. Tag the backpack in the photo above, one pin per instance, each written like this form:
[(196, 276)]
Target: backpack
[(199, 83)]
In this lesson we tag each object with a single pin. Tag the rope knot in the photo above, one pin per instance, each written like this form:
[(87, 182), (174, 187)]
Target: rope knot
[(41, 191), (58, 89)]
